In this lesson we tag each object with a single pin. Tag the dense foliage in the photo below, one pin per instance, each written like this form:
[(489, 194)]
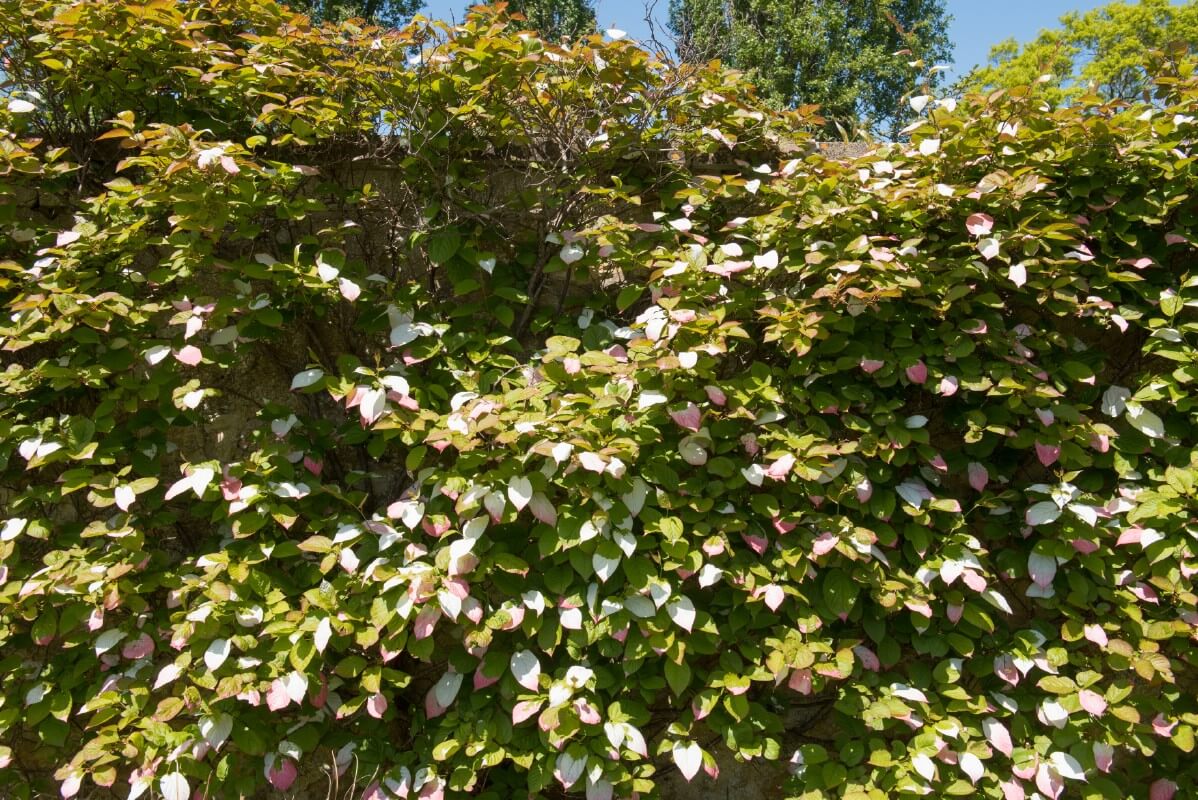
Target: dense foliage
[(1101, 50), (510, 419), (849, 57), (381, 12)]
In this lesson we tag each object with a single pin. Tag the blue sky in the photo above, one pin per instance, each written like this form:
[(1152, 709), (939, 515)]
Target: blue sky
[(977, 24)]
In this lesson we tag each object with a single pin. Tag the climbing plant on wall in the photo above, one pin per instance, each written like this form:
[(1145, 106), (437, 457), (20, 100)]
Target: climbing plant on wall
[(441, 412)]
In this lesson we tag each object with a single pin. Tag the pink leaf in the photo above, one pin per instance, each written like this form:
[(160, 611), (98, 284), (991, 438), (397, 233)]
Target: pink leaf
[(756, 543), (917, 372), (949, 386), (979, 476), (276, 696), (979, 224), (998, 736), (779, 469), (482, 680), (426, 620), (190, 355), (349, 290), (774, 595), (1162, 789), (283, 774), (1104, 756), (869, 659), (1012, 790), (1048, 453), (716, 395), (688, 418), (525, 709), (140, 647), (870, 366), (1092, 702), (1004, 667), (376, 706), (824, 543), (1096, 634), (800, 681), (1049, 782)]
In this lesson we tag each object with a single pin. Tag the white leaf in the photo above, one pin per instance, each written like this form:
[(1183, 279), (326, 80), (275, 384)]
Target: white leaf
[(519, 491), (1043, 512), (324, 632), (12, 529), (1114, 400), (640, 606), (972, 766), (924, 766), (397, 384), (18, 106), (1067, 766), (929, 147), (996, 599), (634, 500), (649, 399), (296, 686), (919, 102), (988, 248), (216, 653), (754, 474), (201, 477), (306, 378), (1041, 568), (908, 693), (402, 334), (156, 354), (689, 757), (447, 688), (569, 769), (692, 451), (174, 787), (166, 675), (1085, 513), (911, 491), (709, 575), (1017, 274), (682, 611), (526, 668), (604, 567), (1145, 421), (572, 252), (108, 640), (325, 270), (766, 261), (216, 730)]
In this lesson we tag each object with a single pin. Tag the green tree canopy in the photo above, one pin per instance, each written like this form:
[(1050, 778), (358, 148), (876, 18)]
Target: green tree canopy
[(391, 13), (1103, 48), (848, 56), (554, 19)]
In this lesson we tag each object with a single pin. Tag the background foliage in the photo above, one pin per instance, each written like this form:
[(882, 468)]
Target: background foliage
[(1103, 49), (849, 58), (511, 419)]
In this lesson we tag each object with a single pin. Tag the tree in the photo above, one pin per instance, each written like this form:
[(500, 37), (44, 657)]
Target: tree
[(555, 19), (1103, 48), (390, 13), (848, 56)]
